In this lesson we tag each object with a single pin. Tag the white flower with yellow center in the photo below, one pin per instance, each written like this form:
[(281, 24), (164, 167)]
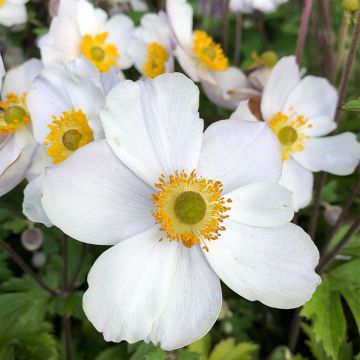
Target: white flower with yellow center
[(184, 209), (81, 29), (151, 48), (300, 112), (198, 54), (16, 141), (249, 6), (13, 12), (64, 103)]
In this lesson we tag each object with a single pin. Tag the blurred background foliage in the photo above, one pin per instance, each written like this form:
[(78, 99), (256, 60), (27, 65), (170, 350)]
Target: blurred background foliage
[(41, 310)]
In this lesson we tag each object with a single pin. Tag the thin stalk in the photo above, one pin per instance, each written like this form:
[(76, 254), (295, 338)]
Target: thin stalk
[(84, 252), (294, 330), (20, 262), (347, 69), (238, 35), (225, 32), (303, 30)]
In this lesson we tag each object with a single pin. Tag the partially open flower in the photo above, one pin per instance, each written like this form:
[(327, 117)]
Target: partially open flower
[(13, 12), (184, 209)]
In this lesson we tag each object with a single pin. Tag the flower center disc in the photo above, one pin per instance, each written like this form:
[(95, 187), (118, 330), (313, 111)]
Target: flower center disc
[(287, 135), (97, 53), (14, 115), (71, 139), (190, 207)]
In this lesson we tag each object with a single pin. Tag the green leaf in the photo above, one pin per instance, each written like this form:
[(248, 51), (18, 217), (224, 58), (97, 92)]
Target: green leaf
[(227, 349), (157, 354), (201, 347), (329, 192), (346, 275), (68, 305), (188, 355), (16, 225), (142, 350), (115, 352), (352, 297), (326, 313), (352, 105)]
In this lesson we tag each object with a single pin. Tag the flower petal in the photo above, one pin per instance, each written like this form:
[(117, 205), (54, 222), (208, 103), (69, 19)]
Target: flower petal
[(316, 99), (337, 154), (261, 204), (95, 198), (272, 265), (153, 126), (299, 181), (283, 80), (243, 112), (158, 291), (238, 153)]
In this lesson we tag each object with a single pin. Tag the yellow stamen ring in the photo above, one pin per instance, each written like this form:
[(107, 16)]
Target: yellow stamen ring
[(189, 209), (208, 52), (156, 58)]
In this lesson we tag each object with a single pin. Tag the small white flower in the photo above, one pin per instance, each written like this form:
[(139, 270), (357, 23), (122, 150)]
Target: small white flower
[(81, 29), (16, 141), (249, 6), (64, 103), (301, 112), (13, 12), (151, 48), (197, 53), (184, 209)]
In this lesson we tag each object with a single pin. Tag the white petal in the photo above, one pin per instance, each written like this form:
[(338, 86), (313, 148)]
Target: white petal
[(153, 126), (283, 79), (180, 14), (95, 198), (158, 291), (188, 63), (90, 20), (15, 159), (337, 154), (299, 181), (261, 204), (19, 79), (272, 265), (238, 153), (32, 206), (12, 14), (243, 112), (316, 99)]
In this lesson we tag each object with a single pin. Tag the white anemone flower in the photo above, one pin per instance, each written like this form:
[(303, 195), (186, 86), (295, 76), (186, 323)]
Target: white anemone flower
[(81, 29), (13, 12), (151, 47), (249, 6), (16, 140), (300, 112), (64, 103), (183, 210), (199, 56)]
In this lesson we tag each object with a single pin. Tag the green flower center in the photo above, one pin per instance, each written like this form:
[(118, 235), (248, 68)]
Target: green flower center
[(190, 207), (14, 115), (71, 139), (287, 135), (97, 53)]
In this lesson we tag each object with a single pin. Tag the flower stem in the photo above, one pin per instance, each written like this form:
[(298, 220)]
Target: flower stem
[(348, 64), (238, 35), (84, 251), (303, 29), (20, 262)]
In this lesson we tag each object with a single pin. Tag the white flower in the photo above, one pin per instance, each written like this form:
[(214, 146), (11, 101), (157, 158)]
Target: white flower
[(13, 12), (16, 141), (162, 171), (197, 53), (249, 6), (80, 29), (151, 48), (301, 112), (64, 103)]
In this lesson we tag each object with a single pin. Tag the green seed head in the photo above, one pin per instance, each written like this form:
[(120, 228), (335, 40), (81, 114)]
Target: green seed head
[(71, 139), (14, 115), (269, 58), (97, 53), (287, 135), (190, 207), (351, 5)]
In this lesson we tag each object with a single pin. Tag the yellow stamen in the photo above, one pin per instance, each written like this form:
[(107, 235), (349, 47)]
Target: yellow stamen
[(189, 209), (102, 54), (155, 60), (289, 128), (2, 2), (68, 132), (13, 113), (208, 52)]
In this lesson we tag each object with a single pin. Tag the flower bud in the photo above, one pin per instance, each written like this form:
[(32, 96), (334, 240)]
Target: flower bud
[(32, 239), (228, 328), (38, 260), (351, 5), (332, 214)]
